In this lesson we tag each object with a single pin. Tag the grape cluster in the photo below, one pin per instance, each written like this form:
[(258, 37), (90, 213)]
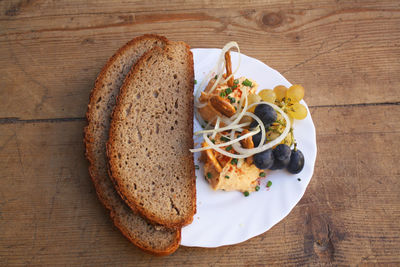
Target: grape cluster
[(287, 98), (279, 158)]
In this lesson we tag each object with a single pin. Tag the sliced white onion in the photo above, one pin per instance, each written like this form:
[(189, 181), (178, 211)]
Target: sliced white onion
[(262, 129), (222, 151), (219, 70), (226, 120), (226, 128), (233, 141), (274, 142), (216, 127), (200, 105), (221, 59)]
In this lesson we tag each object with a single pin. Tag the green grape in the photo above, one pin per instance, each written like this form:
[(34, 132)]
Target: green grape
[(280, 92), (295, 93), (267, 95), (297, 111), (253, 98)]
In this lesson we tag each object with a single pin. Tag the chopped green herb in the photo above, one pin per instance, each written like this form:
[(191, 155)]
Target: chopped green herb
[(225, 139), (216, 77), (222, 94), (206, 122), (234, 86), (195, 81), (209, 175), (234, 161), (213, 141), (262, 174), (269, 184), (257, 188), (239, 102), (228, 91), (196, 167), (226, 176), (235, 81), (246, 193), (232, 99), (235, 108), (298, 179), (280, 122), (228, 148), (247, 83)]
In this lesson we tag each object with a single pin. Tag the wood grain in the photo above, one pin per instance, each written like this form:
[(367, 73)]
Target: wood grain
[(304, 44), (351, 209), (345, 53)]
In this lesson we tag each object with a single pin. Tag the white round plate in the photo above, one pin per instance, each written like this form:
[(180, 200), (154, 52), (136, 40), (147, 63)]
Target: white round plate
[(226, 218)]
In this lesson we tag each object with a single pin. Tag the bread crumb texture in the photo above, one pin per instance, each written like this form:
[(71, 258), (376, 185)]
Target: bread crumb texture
[(151, 134)]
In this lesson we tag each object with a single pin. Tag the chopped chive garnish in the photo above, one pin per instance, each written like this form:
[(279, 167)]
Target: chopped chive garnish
[(246, 193), (269, 184), (247, 83), (216, 77), (234, 161), (257, 188), (233, 100), (226, 176), (235, 108), (225, 139), (280, 122), (213, 141), (222, 94), (195, 81), (228, 148), (234, 86), (196, 167), (262, 174), (228, 91), (209, 175), (236, 81)]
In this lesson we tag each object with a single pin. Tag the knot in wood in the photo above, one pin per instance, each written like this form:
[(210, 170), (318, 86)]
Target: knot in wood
[(272, 19)]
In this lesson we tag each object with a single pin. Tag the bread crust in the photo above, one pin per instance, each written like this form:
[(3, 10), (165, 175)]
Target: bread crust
[(90, 139), (129, 199)]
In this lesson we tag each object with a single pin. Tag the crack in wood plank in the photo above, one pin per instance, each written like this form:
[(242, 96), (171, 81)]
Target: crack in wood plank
[(12, 120), (321, 53), (141, 19)]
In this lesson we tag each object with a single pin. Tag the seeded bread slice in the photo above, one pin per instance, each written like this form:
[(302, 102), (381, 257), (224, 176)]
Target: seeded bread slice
[(151, 133), (154, 239)]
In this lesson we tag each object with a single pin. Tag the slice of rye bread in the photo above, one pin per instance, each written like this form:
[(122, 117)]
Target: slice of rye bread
[(150, 136), (154, 239)]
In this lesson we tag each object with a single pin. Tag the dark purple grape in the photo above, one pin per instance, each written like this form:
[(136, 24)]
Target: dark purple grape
[(296, 162), (257, 139), (282, 152), (278, 165), (266, 113), (264, 160)]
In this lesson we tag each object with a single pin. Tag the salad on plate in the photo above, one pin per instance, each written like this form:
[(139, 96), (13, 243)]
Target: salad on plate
[(246, 132)]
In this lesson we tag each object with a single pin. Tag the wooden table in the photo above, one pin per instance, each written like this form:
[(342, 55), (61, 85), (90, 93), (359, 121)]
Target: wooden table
[(345, 53)]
